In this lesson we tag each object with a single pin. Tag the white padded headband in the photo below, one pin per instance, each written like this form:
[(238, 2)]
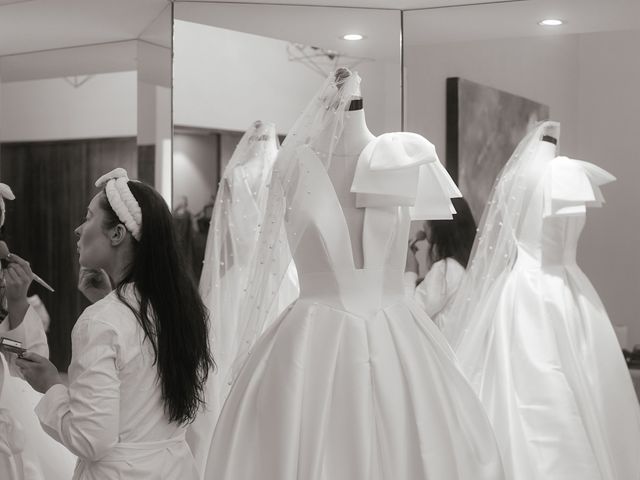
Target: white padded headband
[(122, 200)]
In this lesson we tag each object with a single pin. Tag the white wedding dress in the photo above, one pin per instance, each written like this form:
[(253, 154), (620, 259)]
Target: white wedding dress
[(231, 245), (354, 381), (540, 350)]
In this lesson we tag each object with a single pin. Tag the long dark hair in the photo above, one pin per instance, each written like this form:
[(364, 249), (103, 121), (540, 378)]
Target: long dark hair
[(452, 238), (170, 312)]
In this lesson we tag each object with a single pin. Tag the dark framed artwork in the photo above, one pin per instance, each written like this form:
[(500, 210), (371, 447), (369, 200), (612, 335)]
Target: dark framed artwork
[(484, 126)]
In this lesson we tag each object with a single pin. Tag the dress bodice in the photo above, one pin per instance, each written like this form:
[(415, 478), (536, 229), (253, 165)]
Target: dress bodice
[(550, 228), (323, 251)]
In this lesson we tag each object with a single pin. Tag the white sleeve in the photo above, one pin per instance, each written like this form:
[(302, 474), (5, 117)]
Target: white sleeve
[(431, 294), (572, 186), (30, 333), (85, 416)]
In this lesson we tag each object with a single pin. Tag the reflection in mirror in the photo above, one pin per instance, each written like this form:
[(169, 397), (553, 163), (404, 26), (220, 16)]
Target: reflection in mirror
[(84, 87), (235, 64), (477, 78), (572, 72), (154, 103)]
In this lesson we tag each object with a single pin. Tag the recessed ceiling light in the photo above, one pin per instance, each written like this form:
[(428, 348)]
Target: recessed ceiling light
[(352, 37), (551, 22)]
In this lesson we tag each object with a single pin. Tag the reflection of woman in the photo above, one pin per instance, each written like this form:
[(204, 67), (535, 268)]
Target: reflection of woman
[(23, 323), (20, 316), (26, 451), (450, 243), (140, 355)]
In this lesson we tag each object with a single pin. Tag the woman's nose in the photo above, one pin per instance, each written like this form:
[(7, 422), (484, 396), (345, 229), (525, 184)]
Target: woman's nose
[(78, 231)]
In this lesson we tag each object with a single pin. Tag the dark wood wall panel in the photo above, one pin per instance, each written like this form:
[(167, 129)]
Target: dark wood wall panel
[(53, 183)]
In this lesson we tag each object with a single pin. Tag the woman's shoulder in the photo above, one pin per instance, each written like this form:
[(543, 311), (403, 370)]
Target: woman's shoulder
[(453, 263), (439, 266), (111, 311), (454, 272)]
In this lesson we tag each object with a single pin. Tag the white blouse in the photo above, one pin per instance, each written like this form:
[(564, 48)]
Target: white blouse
[(30, 333), (26, 452), (112, 414), (438, 287)]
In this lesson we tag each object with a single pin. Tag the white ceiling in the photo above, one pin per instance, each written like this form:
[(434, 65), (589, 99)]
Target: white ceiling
[(68, 62), (7, 2), (52, 38), (519, 19), (318, 27), (34, 25), (39, 25), (386, 4)]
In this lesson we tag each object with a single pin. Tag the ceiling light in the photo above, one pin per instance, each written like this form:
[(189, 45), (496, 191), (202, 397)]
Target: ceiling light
[(550, 22), (352, 37)]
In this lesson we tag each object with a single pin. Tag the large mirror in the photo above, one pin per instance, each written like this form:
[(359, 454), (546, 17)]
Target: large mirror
[(467, 63), (235, 64), (84, 87)]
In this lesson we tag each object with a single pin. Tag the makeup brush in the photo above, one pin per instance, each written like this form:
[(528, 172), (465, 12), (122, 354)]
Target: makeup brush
[(6, 255)]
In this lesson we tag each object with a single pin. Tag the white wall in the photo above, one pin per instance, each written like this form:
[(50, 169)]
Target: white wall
[(147, 112), (225, 79), (609, 130), (52, 109), (154, 128), (590, 82), (543, 69), (164, 129)]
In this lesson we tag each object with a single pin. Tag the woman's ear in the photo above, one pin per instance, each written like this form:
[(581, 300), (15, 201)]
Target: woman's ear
[(117, 235)]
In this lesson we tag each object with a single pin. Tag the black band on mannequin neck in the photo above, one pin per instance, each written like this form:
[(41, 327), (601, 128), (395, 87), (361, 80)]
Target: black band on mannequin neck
[(356, 104), (550, 139)]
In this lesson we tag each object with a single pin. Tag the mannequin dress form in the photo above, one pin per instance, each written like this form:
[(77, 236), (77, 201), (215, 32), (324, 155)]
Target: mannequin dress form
[(355, 137), (353, 382), (541, 352)]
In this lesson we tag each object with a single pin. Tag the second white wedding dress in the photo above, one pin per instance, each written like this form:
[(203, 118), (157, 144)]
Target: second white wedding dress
[(353, 382), (531, 333), (231, 245)]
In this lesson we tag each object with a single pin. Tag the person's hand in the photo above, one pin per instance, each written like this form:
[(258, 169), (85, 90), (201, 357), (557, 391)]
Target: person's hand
[(93, 284), (38, 371), (411, 264), (18, 277)]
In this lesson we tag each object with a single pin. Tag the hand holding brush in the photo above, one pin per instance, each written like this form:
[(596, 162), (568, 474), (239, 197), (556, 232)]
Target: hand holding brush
[(6, 258)]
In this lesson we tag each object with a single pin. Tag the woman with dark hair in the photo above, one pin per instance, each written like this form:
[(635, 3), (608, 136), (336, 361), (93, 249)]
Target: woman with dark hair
[(450, 243), (140, 355)]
